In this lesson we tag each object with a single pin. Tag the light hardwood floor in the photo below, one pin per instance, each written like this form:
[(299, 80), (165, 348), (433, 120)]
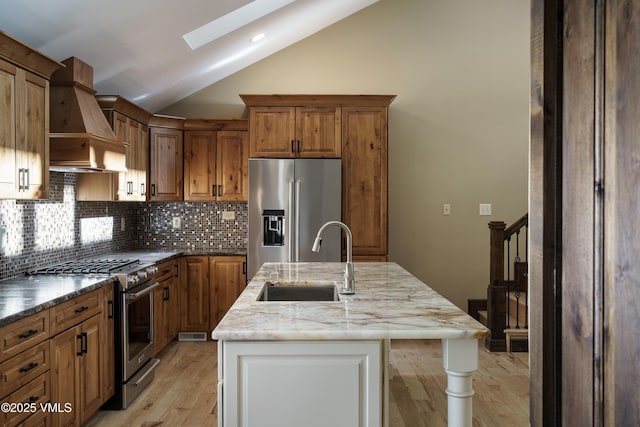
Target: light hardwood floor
[(183, 392)]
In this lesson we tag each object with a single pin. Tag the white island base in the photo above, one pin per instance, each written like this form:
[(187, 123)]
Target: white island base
[(325, 383), (326, 363)]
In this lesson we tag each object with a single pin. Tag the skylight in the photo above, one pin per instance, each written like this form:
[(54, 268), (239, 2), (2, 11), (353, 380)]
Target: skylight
[(232, 21)]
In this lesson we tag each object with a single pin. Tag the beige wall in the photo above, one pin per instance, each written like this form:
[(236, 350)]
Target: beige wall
[(458, 129)]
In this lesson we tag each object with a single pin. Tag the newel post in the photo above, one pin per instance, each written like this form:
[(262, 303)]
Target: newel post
[(496, 291), (496, 254)]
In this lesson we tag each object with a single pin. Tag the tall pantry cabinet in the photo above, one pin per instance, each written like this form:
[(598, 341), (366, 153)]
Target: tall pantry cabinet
[(351, 127)]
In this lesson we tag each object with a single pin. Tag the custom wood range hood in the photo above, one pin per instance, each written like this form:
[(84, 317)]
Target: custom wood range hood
[(81, 139)]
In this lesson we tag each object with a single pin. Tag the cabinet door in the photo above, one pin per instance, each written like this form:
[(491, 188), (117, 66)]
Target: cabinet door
[(107, 366), (8, 141), (228, 280), (35, 134), (200, 165), (159, 319), (318, 132), (364, 177), (272, 132), (64, 351), (165, 168), (24, 132), (121, 130), (142, 162), (194, 294), (232, 164), (172, 308), (90, 387)]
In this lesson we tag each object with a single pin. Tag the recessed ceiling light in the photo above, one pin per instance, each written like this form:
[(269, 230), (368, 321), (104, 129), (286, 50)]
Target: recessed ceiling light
[(240, 17), (257, 37)]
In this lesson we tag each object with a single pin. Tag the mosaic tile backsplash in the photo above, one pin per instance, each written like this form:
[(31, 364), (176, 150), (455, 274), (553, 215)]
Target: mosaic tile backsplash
[(44, 232)]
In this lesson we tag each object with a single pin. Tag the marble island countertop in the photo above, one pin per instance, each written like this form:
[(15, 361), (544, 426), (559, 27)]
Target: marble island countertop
[(389, 303)]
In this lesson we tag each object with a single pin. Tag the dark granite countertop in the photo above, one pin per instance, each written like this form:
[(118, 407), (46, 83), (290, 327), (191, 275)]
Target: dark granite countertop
[(22, 296)]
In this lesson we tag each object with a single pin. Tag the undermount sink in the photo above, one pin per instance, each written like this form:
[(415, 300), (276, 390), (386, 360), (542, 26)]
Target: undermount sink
[(299, 291)]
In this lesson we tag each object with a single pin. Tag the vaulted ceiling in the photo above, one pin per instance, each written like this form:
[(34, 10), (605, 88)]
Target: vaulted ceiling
[(137, 48)]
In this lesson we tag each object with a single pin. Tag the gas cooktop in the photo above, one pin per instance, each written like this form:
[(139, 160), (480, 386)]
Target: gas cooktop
[(87, 266)]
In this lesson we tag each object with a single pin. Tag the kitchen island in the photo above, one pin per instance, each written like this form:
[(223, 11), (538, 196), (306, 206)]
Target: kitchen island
[(318, 363)]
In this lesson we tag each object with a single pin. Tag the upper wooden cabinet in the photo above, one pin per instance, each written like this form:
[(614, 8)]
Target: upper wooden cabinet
[(129, 123), (215, 165), (283, 132), (24, 120), (165, 158)]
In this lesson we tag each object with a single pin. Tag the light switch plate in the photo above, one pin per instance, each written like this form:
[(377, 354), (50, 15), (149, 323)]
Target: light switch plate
[(446, 209), (228, 215), (122, 224), (485, 209)]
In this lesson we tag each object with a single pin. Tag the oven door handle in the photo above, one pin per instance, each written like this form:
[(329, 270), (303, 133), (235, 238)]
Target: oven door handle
[(132, 296)]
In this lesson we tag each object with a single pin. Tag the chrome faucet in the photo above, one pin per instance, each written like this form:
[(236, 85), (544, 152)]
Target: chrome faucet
[(349, 276)]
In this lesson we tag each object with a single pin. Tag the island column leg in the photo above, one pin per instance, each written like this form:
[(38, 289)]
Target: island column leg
[(460, 360)]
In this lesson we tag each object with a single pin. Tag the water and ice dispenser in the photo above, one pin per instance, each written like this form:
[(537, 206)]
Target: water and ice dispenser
[(273, 227)]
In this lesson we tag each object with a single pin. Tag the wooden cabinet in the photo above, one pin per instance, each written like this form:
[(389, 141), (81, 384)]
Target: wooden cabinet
[(364, 178), (216, 160), (75, 361), (228, 278), (166, 307), (107, 365), (209, 286), (353, 127), (24, 120), (25, 367), (77, 358), (304, 131), (165, 163), (129, 124), (194, 294)]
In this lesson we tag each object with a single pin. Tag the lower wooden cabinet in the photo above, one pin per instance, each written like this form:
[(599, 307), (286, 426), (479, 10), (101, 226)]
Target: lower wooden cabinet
[(75, 372), (194, 294), (166, 307), (227, 280), (107, 367), (209, 286)]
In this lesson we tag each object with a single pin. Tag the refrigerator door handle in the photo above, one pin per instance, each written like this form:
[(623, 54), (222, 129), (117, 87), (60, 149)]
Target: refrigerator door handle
[(291, 237), (297, 225)]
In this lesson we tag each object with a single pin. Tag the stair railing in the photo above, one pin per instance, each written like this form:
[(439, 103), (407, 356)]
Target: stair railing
[(500, 288)]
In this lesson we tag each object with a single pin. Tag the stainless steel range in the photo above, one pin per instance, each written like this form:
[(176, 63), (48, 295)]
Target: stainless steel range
[(133, 318)]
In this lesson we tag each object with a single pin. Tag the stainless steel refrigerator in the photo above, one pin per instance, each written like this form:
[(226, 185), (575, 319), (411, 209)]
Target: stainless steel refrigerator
[(289, 200)]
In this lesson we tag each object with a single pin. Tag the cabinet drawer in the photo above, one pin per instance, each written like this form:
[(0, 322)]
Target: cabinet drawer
[(19, 370), (72, 312), (34, 393), (24, 333), (166, 270)]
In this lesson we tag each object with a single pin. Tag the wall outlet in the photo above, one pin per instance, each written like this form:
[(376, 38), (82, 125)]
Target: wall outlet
[(122, 224), (176, 223), (485, 209), (228, 215)]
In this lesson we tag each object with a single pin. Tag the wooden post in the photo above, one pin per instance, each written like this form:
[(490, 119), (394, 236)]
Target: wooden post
[(496, 292), (496, 254)]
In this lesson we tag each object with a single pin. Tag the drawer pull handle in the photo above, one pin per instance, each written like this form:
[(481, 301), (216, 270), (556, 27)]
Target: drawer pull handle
[(28, 334), (81, 309), (34, 399), (29, 367)]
